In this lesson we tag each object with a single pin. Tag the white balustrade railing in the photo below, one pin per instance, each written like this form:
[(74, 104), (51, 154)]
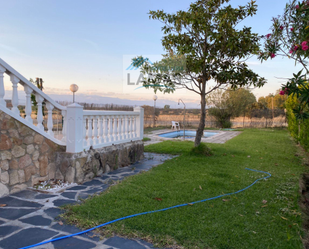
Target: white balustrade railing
[(81, 129), (33, 121), (98, 129)]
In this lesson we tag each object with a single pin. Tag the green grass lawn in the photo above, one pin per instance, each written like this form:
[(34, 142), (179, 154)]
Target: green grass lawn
[(264, 216)]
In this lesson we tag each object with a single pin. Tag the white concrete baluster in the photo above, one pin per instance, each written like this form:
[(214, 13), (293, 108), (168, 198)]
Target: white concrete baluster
[(130, 127), (119, 128), (123, 136), (110, 129), (95, 130), (50, 123), (115, 128), (84, 131), (101, 140), (105, 132), (39, 99), (64, 125), (125, 126), (15, 82), (90, 140), (134, 127), (28, 109), (2, 92)]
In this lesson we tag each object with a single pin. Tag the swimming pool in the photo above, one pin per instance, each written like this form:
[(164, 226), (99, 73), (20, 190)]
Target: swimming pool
[(188, 134)]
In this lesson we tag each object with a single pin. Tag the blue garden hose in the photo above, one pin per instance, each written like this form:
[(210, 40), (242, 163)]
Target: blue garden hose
[(155, 211)]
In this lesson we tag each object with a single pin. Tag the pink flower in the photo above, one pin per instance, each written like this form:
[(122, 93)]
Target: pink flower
[(292, 29), (282, 92), (268, 35), (304, 43), (295, 48), (281, 27), (305, 47), (291, 51), (272, 55), (297, 6)]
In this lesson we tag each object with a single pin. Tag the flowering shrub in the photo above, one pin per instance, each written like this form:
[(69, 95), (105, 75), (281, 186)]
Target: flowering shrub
[(290, 34), (290, 38)]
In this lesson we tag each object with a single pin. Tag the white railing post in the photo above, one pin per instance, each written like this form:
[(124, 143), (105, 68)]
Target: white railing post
[(28, 110), (50, 123), (15, 82), (95, 130), (90, 141), (140, 122), (2, 92), (74, 136), (39, 99), (64, 125)]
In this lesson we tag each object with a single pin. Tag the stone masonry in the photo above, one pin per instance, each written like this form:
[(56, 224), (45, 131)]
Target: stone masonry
[(27, 157)]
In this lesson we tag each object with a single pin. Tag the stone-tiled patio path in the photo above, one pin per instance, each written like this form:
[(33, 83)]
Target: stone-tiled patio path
[(30, 217)]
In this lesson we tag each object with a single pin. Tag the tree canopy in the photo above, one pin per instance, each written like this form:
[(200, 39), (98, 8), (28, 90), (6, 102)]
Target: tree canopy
[(203, 45)]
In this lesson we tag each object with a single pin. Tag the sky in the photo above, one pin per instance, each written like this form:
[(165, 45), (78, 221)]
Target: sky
[(88, 43)]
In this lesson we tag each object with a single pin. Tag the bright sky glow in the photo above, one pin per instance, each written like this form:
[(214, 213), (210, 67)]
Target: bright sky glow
[(83, 42)]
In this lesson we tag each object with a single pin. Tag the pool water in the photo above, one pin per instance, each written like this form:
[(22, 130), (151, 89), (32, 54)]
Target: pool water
[(188, 134)]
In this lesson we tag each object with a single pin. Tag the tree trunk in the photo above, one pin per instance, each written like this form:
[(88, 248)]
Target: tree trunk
[(201, 126)]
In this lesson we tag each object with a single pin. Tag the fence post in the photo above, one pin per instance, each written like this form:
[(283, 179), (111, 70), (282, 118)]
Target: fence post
[(140, 122), (74, 128)]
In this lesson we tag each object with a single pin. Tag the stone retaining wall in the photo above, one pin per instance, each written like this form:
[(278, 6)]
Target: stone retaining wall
[(81, 167), (27, 157)]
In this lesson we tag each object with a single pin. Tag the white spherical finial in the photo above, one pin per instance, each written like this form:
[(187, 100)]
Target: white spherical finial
[(155, 97), (74, 88)]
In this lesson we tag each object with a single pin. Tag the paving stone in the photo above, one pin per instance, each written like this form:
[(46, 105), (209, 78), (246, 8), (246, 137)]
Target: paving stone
[(123, 243), (14, 213), (13, 202), (70, 195), (92, 191), (83, 196), (44, 196), (54, 212), (62, 202), (124, 175), (73, 243), (147, 244), (66, 228), (26, 237), (26, 194), (5, 230), (72, 229), (105, 177), (37, 221), (91, 236), (93, 183), (77, 188)]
